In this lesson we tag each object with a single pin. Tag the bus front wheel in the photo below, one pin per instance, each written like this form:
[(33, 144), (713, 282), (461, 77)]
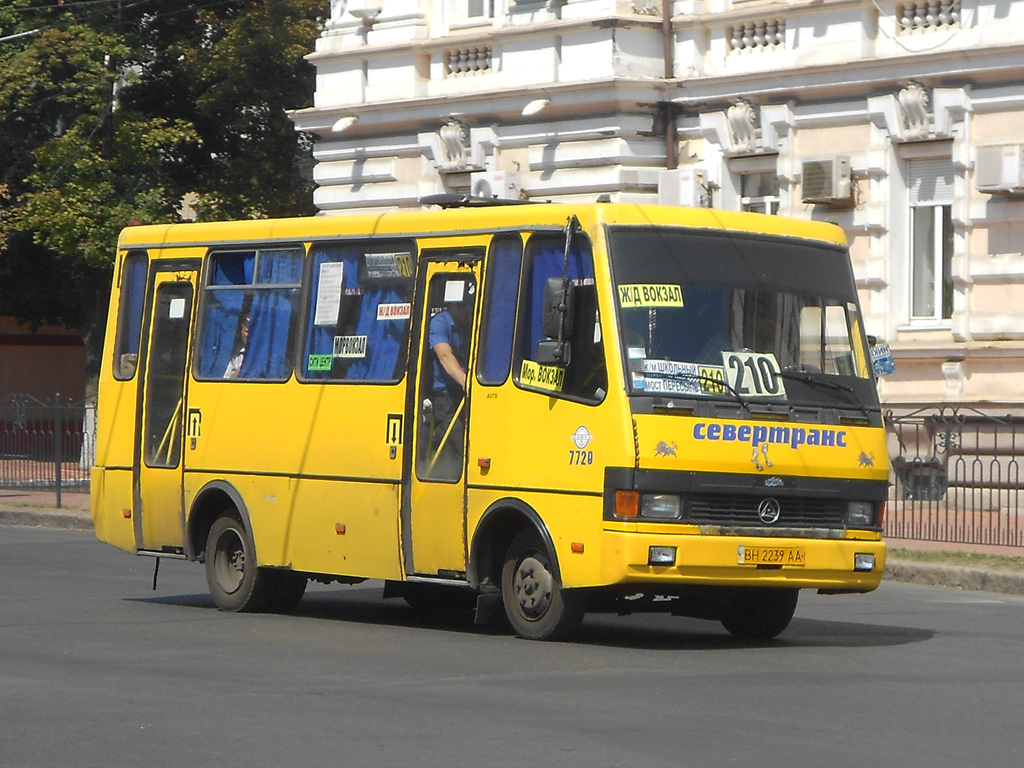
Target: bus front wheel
[(236, 583), (537, 606), (760, 614)]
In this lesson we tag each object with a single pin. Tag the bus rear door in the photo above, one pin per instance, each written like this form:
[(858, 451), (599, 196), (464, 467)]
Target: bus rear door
[(434, 537), (159, 516)]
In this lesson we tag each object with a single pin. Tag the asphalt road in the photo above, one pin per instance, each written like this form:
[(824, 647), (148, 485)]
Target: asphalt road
[(96, 669)]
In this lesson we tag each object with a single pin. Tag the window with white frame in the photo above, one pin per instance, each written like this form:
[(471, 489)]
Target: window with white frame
[(759, 192), (469, 11), (931, 239)]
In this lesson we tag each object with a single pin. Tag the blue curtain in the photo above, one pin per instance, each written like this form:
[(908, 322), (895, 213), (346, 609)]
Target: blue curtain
[(220, 326), (385, 339), (235, 289), (320, 338), (134, 291), (270, 316), (499, 322), (547, 259), (222, 310)]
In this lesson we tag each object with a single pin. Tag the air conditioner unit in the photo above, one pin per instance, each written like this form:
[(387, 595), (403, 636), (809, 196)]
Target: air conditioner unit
[(826, 180), (504, 185), (1000, 170), (682, 186)]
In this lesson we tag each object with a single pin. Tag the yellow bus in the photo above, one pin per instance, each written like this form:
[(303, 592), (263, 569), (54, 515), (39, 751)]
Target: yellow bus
[(543, 408)]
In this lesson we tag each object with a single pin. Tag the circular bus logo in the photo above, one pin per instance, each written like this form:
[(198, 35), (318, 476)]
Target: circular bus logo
[(769, 510), (582, 437)]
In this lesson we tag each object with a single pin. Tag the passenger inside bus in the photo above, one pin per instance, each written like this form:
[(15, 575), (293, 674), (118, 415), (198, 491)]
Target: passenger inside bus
[(447, 339), (238, 354)]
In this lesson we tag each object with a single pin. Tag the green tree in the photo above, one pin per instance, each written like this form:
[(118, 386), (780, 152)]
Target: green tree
[(115, 113)]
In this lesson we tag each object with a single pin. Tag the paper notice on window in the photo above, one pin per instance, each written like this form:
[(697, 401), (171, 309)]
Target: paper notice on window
[(650, 295), (176, 309), (454, 290), (328, 293)]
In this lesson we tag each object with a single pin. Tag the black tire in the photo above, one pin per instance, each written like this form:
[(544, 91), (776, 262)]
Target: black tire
[(236, 583), (288, 593), (537, 606), (760, 614)]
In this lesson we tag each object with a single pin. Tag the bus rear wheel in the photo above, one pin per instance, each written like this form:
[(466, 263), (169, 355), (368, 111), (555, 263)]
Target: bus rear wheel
[(537, 606), (236, 583), (760, 614)]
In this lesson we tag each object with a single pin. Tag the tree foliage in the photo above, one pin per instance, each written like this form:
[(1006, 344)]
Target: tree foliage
[(114, 112)]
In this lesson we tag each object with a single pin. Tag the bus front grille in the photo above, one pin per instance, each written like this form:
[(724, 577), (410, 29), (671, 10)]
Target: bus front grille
[(729, 510)]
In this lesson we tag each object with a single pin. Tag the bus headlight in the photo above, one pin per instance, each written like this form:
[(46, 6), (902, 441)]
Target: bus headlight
[(661, 506), (860, 514)]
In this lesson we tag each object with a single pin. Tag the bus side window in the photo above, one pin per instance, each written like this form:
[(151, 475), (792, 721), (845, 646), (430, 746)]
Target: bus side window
[(499, 310), (129, 319), (360, 311), (586, 376), (250, 303)]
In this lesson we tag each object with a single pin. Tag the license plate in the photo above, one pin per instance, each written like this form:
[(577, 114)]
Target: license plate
[(784, 556)]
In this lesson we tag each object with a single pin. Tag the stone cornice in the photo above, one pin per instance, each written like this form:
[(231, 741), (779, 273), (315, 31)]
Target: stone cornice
[(484, 35), (503, 105), (859, 76), (757, 11)]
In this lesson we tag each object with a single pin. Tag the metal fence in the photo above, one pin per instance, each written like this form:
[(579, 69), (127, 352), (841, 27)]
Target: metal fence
[(956, 477), (46, 445), (956, 472)]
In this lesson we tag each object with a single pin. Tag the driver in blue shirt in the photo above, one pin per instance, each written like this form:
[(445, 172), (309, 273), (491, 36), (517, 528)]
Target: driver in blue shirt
[(448, 339)]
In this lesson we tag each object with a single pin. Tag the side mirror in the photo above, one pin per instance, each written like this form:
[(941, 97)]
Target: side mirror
[(558, 304), (553, 352)]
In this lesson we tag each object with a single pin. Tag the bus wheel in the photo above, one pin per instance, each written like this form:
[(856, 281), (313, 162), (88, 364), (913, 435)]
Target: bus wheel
[(235, 581), (760, 614), (536, 605)]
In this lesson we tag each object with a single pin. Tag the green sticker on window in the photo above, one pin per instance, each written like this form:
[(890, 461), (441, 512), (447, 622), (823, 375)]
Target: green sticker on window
[(320, 362)]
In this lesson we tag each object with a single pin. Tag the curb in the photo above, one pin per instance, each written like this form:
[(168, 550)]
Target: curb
[(38, 518), (956, 577)]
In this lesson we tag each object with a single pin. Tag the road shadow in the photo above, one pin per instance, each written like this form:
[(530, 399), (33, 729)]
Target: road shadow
[(364, 605)]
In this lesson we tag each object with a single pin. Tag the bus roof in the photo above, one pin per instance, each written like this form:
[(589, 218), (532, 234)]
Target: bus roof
[(417, 222)]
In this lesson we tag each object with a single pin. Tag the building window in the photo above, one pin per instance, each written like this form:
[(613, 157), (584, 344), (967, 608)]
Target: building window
[(931, 239), (469, 11), (759, 192), (932, 267)]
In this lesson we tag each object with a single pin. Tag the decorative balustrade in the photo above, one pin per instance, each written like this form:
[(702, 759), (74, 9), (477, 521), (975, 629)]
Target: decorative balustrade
[(928, 15), (468, 61), (757, 35)]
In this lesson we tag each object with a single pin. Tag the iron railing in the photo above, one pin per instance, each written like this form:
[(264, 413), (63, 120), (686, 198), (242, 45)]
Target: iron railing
[(956, 472), (46, 445), (956, 477)]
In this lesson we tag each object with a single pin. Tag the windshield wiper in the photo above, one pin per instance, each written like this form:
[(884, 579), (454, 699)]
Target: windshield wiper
[(807, 378), (714, 382)]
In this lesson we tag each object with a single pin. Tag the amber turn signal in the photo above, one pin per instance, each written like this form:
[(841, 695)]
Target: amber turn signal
[(627, 504)]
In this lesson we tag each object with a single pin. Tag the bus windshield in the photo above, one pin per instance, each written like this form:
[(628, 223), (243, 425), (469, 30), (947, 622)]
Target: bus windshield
[(732, 316)]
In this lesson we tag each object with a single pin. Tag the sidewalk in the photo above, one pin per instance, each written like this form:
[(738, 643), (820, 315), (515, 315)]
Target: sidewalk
[(37, 509)]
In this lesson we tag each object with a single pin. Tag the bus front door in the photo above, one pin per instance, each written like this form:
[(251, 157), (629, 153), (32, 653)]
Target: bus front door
[(159, 515), (434, 532)]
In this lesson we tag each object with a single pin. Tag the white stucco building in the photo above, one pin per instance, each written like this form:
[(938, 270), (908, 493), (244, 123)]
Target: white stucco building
[(901, 121)]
